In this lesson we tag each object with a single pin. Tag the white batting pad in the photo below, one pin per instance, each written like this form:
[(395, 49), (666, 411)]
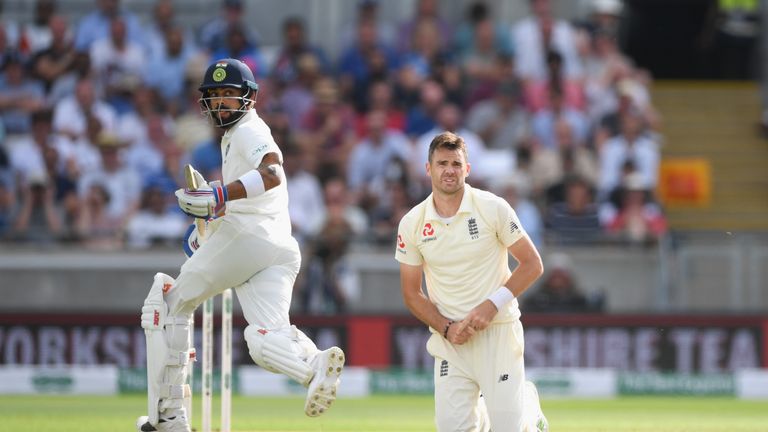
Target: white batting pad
[(276, 352), (169, 351)]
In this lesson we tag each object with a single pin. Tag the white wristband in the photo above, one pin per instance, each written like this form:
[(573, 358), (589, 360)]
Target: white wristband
[(501, 297), (253, 183)]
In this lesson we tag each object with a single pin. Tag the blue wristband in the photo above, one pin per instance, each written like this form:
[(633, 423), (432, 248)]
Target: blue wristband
[(220, 194)]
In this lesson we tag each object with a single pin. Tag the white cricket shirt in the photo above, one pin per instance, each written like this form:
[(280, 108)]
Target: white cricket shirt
[(466, 260), (242, 148)]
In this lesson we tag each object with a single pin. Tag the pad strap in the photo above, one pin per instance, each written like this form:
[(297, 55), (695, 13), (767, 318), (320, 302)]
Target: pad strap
[(175, 391), (181, 358)]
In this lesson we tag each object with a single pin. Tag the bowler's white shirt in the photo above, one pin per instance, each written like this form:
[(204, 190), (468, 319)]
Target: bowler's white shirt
[(464, 261)]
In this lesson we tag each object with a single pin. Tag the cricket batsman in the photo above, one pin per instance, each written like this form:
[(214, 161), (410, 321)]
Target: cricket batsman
[(249, 247)]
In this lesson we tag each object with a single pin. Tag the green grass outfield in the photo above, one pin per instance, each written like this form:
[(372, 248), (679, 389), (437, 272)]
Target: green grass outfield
[(389, 413)]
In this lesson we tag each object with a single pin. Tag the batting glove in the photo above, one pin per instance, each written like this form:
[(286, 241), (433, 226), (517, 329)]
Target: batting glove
[(202, 202)]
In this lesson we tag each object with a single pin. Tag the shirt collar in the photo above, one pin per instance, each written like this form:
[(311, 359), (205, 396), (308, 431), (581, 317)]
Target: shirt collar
[(251, 113), (464, 207)]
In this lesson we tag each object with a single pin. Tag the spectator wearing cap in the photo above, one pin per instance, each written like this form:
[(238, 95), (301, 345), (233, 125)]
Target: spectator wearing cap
[(605, 14), (20, 96), (96, 25), (558, 290)]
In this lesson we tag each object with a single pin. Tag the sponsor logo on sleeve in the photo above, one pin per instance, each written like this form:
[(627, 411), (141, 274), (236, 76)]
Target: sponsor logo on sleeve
[(513, 228), (260, 149), (400, 244)]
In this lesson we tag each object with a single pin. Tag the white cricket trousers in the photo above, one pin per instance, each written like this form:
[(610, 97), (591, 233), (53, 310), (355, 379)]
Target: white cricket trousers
[(491, 363), (245, 253)]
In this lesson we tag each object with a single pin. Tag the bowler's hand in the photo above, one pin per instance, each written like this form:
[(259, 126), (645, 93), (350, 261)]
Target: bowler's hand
[(481, 316), (459, 333)]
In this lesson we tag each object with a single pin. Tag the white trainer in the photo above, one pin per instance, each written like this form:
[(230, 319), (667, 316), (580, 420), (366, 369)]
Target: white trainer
[(176, 424), (321, 392), (532, 397)]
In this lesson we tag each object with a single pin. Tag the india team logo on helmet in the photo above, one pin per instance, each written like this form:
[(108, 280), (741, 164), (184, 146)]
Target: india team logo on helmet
[(227, 73), (219, 74)]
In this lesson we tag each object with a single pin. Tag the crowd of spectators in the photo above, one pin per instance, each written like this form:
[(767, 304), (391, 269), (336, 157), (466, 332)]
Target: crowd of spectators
[(99, 116)]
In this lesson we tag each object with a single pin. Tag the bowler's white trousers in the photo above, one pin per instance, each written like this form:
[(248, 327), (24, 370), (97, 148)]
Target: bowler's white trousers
[(491, 363)]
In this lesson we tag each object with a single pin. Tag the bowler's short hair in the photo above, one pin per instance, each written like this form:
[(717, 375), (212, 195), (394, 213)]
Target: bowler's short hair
[(450, 141)]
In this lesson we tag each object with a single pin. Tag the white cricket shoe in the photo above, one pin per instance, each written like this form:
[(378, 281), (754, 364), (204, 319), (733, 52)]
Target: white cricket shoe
[(321, 392), (175, 424), (532, 396)]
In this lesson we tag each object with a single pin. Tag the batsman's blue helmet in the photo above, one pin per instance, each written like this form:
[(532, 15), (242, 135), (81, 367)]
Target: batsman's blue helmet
[(228, 73)]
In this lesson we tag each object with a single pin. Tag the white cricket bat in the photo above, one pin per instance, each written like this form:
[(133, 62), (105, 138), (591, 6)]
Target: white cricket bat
[(193, 186)]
